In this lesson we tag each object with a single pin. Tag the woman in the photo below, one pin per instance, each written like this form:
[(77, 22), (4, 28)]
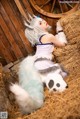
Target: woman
[(37, 32), (34, 70)]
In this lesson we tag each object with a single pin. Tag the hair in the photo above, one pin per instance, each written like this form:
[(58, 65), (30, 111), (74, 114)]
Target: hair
[(34, 33)]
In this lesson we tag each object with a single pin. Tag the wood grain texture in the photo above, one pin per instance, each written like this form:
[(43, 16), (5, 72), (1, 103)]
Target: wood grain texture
[(13, 43)]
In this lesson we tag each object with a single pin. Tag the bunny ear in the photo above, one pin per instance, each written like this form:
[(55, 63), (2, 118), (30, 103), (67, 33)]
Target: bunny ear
[(34, 16), (27, 25), (30, 16), (28, 21)]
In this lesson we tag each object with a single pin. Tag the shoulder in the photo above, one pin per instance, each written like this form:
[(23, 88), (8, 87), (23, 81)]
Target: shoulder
[(49, 35), (47, 38)]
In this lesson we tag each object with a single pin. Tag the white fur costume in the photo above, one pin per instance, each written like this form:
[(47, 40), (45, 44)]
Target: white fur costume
[(60, 35), (29, 92), (44, 51)]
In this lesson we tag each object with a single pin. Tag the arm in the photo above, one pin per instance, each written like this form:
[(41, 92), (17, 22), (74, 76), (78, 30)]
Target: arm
[(58, 40), (49, 38), (60, 33)]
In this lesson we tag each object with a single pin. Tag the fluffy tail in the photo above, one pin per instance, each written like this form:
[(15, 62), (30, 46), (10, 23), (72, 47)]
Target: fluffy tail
[(25, 102), (29, 92)]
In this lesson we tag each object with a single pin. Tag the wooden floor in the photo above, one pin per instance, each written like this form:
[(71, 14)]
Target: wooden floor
[(12, 66)]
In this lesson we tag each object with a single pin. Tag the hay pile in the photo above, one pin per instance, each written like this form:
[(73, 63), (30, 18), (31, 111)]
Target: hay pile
[(64, 105), (4, 101)]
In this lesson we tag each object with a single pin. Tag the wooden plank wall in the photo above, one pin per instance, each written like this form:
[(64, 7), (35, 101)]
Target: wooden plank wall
[(13, 43)]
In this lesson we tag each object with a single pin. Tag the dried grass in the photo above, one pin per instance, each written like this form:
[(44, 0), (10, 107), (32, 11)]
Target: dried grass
[(65, 105)]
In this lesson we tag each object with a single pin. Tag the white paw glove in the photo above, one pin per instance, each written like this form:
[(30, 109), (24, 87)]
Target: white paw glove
[(58, 27), (60, 33)]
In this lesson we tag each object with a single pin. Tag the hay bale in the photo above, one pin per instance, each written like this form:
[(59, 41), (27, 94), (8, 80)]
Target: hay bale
[(69, 56), (71, 26), (4, 101), (64, 105), (7, 100)]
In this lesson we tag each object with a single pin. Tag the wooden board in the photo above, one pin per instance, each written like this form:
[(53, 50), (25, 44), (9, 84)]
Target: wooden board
[(12, 37)]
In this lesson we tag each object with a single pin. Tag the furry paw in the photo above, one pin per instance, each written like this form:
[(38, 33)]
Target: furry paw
[(58, 26)]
